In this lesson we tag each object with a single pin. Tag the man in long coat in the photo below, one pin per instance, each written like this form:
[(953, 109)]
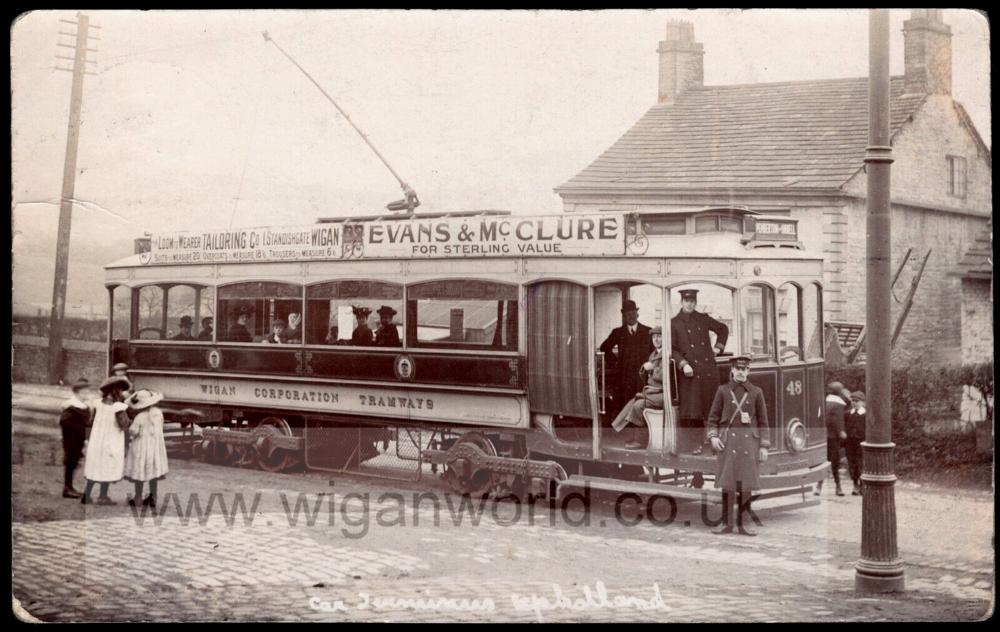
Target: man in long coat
[(698, 378), (738, 432), (635, 344)]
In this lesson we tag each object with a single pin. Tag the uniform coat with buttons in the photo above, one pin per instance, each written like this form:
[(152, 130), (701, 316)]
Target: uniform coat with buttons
[(633, 350), (737, 463), (690, 344)]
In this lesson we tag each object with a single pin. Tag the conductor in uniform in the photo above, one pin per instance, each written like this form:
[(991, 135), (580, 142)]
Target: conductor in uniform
[(635, 344), (738, 432), (693, 353)]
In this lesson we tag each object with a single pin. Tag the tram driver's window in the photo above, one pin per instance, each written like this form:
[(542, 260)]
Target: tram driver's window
[(260, 311), (789, 324), (812, 320), (121, 313), (359, 313), (462, 314), (711, 299), (757, 321), (151, 320)]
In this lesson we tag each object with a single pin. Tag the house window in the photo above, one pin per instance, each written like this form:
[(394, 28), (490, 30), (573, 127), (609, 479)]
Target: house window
[(957, 171)]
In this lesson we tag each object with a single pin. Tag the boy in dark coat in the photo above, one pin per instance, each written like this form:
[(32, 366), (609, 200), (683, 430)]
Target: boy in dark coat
[(855, 423), (74, 421), (835, 407), (738, 432)]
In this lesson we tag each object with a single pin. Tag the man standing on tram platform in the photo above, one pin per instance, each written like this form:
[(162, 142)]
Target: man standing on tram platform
[(692, 351), (635, 344)]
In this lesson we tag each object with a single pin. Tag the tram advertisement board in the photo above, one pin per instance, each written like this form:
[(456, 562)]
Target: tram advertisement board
[(591, 235)]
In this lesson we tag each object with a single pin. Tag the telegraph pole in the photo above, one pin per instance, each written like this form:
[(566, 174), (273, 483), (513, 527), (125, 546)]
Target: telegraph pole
[(879, 570), (79, 69)]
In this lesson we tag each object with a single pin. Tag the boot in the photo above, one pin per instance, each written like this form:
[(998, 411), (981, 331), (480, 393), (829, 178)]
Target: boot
[(69, 492), (727, 515), (819, 488), (840, 492), (739, 518), (857, 489)]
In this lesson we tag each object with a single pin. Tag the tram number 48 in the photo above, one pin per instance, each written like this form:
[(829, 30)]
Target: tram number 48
[(794, 387)]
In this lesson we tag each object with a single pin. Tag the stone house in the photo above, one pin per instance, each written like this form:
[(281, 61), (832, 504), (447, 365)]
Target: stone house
[(797, 148)]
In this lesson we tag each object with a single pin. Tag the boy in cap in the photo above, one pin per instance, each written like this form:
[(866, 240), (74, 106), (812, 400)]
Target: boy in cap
[(738, 432), (185, 326), (206, 329), (694, 355), (855, 424), (835, 409), (650, 397), (634, 344), (387, 335), (74, 421)]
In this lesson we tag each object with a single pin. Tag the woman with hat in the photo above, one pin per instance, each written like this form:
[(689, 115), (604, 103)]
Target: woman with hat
[(362, 335), (106, 451), (650, 397), (121, 370), (147, 455), (738, 432), (855, 424), (74, 421), (238, 332), (387, 335)]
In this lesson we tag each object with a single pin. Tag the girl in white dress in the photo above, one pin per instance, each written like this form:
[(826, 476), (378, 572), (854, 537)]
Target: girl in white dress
[(106, 447), (147, 455)]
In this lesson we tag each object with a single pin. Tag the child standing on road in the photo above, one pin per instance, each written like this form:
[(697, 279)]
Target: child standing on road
[(855, 421), (147, 456), (106, 452), (74, 421)]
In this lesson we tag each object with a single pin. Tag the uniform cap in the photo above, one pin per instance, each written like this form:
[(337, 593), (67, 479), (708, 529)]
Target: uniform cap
[(689, 295)]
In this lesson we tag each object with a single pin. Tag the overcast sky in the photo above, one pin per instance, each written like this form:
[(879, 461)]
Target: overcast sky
[(194, 121)]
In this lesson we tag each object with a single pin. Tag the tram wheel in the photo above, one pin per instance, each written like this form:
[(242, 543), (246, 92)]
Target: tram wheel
[(461, 476), (277, 460)]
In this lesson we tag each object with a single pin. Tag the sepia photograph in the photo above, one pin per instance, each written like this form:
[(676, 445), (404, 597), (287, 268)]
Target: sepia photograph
[(490, 316)]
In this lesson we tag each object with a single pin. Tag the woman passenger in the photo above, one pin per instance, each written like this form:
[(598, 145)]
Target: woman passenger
[(650, 397)]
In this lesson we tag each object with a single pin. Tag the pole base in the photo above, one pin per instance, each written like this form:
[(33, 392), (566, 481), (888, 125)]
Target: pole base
[(876, 578)]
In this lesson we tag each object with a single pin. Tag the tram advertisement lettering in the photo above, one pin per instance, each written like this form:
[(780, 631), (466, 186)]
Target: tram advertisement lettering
[(483, 236)]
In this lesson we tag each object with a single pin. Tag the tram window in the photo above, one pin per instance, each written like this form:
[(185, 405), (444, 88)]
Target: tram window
[(253, 311), (812, 319), (151, 320), (757, 321), (714, 300), (352, 313), (789, 324), (717, 223), (462, 314), (121, 313)]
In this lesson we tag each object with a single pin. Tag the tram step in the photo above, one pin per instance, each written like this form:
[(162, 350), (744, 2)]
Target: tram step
[(599, 483)]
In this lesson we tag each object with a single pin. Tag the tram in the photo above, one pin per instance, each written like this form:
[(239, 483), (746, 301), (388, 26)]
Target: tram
[(496, 323)]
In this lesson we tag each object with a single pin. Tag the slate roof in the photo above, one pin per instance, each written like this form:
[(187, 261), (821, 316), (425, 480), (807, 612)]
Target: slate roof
[(978, 260), (790, 135)]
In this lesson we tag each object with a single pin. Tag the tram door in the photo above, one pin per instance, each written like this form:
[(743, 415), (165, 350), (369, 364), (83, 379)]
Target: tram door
[(558, 353)]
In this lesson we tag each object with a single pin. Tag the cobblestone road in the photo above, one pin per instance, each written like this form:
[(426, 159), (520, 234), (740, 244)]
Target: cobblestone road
[(304, 550)]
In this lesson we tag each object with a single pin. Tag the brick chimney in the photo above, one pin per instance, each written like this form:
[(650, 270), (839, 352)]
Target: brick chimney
[(927, 53), (682, 61)]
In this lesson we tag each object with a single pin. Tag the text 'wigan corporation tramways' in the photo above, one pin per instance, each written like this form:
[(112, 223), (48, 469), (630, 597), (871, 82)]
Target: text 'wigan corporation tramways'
[(528, 236)]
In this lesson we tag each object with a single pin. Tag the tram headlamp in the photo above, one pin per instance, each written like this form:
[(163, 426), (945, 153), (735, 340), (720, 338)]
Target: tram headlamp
[(795, 436)]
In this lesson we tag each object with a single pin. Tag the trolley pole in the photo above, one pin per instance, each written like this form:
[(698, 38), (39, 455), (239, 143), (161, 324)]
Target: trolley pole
[(66, 200), (879, 570)]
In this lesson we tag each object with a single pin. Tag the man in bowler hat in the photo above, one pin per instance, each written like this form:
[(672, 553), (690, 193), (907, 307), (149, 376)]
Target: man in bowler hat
[(185, 333), (635, 344), (693, 353)]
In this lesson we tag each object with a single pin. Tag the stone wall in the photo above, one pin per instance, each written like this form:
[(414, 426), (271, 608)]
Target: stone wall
[(977, 321), (30, 360)]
